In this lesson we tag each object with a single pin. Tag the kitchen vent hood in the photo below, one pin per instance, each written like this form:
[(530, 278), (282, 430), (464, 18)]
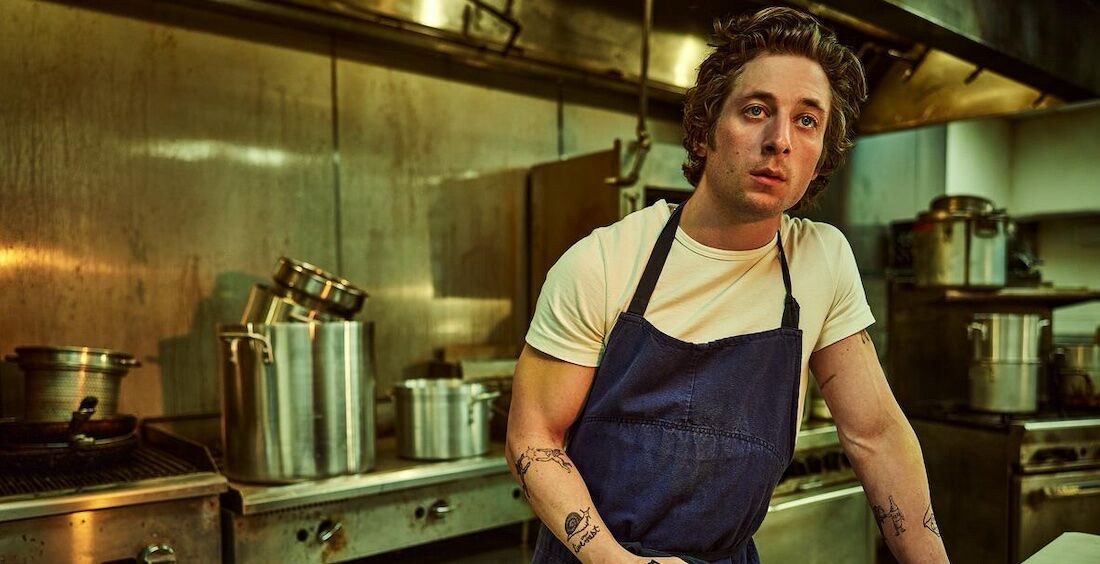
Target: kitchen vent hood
[(928, 61)]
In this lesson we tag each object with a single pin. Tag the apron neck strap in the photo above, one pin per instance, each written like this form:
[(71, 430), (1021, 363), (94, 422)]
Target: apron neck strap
[(790, 305), (656, 263)]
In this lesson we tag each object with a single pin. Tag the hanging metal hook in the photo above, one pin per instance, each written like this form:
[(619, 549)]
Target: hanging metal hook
[(643, 142)]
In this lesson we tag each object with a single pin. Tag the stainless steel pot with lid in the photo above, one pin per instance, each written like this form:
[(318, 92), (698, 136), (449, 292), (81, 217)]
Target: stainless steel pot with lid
[(442, 418), (59, 377), (961, 241)]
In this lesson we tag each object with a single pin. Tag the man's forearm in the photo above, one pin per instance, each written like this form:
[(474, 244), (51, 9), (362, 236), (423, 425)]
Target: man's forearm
[(892, 470), (560, 498)]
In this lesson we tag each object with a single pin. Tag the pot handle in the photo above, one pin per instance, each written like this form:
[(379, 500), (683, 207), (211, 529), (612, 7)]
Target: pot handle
[(485, 396), (265, 345), (130, 362), (975, 344)]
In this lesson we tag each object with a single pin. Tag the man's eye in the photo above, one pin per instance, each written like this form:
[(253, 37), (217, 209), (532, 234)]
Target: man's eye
[(808, 121), (754, 111)]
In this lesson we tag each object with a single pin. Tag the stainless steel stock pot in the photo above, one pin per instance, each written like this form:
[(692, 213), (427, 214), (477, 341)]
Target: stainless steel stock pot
[(297, 400)]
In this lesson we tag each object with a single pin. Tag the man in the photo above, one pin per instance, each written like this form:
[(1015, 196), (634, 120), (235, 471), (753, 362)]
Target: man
[(671, 349)]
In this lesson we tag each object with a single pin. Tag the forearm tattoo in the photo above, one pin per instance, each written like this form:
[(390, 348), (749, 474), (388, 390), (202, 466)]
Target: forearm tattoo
[(930, 522), (532, 455), (894, 514), (579, 529)]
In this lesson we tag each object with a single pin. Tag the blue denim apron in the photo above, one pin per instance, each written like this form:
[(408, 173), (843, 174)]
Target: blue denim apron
[(681, 444)]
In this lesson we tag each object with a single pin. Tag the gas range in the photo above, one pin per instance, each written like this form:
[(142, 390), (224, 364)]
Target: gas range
[(1003, 486), (1043, 441), (158, 502)]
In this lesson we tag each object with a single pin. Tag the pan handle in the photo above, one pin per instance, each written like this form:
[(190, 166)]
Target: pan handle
[(1091, 487), (265, 345), (83, 413)]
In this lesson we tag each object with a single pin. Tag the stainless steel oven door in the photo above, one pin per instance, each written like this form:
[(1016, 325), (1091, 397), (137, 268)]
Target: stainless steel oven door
[(819, 526), (1049, 504)]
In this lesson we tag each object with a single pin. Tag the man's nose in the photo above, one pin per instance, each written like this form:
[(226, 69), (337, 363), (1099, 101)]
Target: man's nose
[(777, 138)]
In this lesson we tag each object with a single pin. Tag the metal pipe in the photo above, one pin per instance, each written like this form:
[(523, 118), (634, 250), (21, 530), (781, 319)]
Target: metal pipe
[(643, 141)]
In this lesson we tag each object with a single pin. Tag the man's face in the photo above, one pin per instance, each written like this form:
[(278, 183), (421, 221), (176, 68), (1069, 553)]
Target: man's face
[(769, 136)]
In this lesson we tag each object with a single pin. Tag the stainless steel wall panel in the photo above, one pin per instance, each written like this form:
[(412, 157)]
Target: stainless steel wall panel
[(150, 175), (432, 177)]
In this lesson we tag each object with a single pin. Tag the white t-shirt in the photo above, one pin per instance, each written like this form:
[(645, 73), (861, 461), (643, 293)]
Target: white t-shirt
[(703, 293)]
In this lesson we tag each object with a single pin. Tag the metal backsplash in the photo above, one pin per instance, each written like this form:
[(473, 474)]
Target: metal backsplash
[(150, 175), (152, 172)]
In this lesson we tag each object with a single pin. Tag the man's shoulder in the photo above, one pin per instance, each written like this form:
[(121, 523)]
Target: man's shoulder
[(801, 231), (637, 228)]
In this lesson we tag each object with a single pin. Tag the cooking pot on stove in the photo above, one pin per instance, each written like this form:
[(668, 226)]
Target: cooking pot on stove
[(57, 378), (961, 241), (1079, 375), (297, 400), (81, 442), (1005, 362), (442, 418)]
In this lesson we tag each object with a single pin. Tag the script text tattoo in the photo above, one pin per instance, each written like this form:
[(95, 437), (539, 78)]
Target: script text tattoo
[(579, 529)]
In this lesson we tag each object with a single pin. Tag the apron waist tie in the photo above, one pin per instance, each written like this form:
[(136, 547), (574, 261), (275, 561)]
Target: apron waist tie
[(689, 557)]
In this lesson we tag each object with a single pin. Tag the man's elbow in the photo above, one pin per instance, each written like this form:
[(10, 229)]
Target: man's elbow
[(874, 436)]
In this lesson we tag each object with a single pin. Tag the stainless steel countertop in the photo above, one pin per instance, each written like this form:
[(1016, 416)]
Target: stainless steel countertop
[(816, 434), (389, 474), (112, 495)]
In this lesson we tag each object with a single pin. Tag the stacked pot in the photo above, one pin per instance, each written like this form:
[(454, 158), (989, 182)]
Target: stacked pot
[(1006, 361), (961, 241), (297, 385)]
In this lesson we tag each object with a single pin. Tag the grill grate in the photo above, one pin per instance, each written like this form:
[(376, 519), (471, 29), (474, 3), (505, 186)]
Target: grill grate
[(143, 463)]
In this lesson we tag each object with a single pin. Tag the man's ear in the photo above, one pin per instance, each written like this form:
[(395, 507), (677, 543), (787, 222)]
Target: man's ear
[(700, 150)]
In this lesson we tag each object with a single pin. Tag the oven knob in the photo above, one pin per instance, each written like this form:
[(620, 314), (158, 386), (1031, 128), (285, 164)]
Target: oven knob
[(439, 509), (327, 529), (157, 554)]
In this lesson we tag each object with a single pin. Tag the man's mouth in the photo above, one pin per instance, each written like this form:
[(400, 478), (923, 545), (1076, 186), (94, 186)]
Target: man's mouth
[(768, 175)]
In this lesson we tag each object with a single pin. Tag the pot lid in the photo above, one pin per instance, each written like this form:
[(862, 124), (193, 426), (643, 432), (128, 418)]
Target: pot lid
[(962, 204), (87, 358)]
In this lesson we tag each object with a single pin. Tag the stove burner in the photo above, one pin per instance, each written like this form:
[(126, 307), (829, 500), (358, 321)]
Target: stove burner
[(143, 463)]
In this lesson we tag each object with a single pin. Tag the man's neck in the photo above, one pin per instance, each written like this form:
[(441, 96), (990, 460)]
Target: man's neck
[(710, 224)]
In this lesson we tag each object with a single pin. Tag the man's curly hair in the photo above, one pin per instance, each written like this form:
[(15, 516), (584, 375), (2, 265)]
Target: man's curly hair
[(781, 31)]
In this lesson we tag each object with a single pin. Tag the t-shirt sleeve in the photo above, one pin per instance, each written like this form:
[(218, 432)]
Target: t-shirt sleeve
[(569, 316), (849, 312)]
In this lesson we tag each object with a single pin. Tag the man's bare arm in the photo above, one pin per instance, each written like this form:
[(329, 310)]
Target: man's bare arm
[(547, 394), (881, 445)]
